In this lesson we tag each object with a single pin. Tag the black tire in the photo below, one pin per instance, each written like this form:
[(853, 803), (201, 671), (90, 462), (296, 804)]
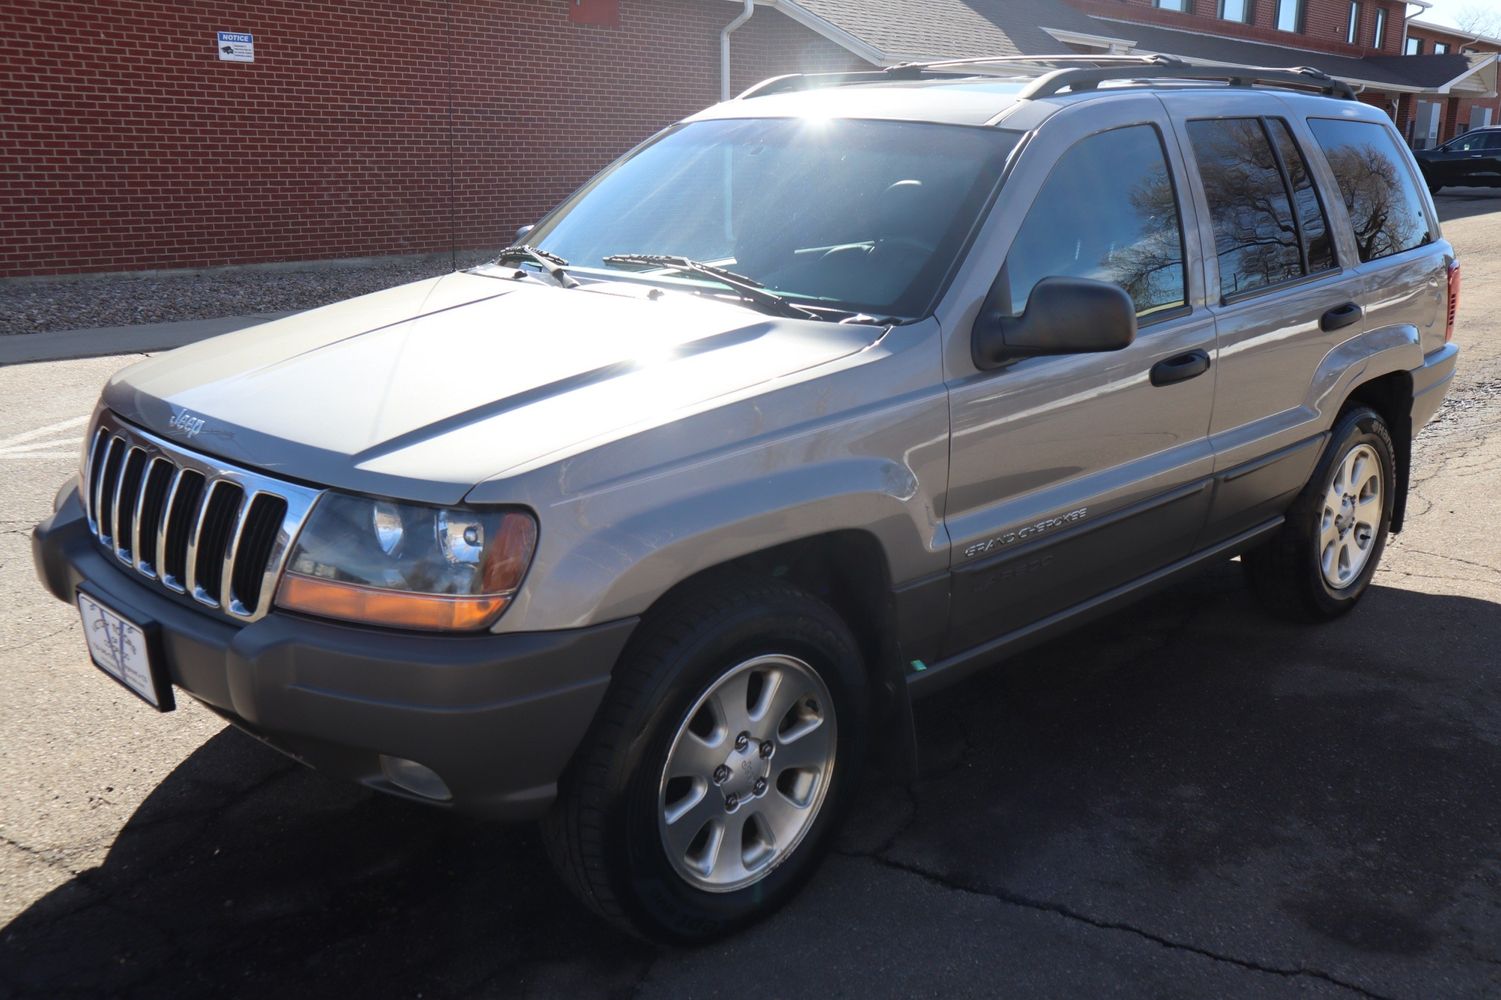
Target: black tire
[(1285, 572), (602, 833)]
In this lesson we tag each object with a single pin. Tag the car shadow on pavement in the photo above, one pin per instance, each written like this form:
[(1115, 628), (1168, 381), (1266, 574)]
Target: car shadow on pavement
[(1462, 202), (1279, 794)]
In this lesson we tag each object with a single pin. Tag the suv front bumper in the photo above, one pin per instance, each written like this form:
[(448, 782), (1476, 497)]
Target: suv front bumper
[(497, 717)]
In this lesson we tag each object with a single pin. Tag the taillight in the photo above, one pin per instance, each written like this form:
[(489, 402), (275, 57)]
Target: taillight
[(1453, 300)]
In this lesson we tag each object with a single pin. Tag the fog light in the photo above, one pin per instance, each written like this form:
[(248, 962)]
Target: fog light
[(413, 777)]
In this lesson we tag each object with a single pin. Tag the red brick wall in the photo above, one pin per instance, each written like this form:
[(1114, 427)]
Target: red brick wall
[(127, 144), (1324, 28)]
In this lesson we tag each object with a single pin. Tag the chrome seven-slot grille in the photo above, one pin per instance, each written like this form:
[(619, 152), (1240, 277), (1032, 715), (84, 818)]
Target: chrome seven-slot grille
[(195, 525)]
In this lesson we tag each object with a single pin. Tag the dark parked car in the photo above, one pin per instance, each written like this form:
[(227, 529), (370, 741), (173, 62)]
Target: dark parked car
[(1472, 160)]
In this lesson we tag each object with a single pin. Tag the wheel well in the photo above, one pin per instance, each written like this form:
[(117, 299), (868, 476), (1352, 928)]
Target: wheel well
[(845, 569), (1391, 396)]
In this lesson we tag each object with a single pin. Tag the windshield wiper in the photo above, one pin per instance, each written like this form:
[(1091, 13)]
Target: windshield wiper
[(549, 262), (749, 289)]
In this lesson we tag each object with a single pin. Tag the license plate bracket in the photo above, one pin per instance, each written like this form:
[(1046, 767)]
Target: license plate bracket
[(126, 647)]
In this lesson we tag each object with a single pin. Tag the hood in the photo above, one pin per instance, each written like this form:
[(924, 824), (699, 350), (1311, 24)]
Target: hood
[(421, 391)]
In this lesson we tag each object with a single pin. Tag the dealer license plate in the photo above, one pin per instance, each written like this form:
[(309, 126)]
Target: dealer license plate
[(125, 651)]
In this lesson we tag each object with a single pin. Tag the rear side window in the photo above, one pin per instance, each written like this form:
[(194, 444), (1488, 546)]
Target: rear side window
[(1268, 224), (1107, 211), (1317, 242), (1379, 191)]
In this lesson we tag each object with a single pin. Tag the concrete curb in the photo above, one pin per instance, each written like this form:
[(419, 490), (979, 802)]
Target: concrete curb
[(68, 345)]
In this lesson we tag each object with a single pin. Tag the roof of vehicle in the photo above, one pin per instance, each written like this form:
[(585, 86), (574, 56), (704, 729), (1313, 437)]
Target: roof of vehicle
[(984, 92)]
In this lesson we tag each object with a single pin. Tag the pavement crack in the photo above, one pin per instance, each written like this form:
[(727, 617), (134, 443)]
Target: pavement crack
[(1068, 913), (1466, 562), (35, 639), (43, 856)]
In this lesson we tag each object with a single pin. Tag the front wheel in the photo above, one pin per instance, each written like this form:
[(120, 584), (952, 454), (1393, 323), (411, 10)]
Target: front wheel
[(719, 764), (1323, 558)]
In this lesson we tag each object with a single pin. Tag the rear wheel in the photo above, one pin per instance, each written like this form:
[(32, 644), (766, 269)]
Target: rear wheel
[(1322, 559), (718, 766)]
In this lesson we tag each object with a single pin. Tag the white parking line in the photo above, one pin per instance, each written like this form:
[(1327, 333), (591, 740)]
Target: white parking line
[(59, 440)]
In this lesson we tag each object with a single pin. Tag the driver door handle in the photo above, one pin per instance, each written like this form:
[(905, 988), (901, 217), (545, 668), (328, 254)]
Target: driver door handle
[(1180, 368)]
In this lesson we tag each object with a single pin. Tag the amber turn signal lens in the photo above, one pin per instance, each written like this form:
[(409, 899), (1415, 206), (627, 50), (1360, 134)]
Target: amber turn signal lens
[(394, 609)]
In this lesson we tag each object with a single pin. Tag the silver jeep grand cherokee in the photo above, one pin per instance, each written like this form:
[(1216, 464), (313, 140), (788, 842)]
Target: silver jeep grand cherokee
[(815, 402)]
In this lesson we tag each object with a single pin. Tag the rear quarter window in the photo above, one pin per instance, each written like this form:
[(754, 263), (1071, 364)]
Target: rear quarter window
[(1379, 190)]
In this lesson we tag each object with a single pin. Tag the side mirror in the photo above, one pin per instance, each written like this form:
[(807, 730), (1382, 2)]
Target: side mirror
[(521, 233), (1063, 316)]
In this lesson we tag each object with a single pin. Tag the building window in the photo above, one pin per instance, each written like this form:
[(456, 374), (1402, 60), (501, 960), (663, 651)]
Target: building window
[(1378, 37), (1414, 47), (1289, 15), (1178, 5), (1440, 48), (1236, 10), (1352, 30)]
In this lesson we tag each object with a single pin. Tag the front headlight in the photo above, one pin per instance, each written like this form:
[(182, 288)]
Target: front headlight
[(406, 565)]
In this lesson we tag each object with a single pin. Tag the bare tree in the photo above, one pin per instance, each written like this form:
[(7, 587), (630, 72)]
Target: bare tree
[(1480, 19)]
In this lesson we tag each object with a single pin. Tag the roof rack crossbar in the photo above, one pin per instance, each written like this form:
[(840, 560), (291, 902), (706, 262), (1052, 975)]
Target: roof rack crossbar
[(809, 81), (941, 68), (1070, 75), (1098, 59), (1079, 79)]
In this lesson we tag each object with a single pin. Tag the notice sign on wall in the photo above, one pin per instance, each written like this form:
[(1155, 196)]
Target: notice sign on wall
[(236, 46)]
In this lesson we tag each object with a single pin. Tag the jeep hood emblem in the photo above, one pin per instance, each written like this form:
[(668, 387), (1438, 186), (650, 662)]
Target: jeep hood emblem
[(187, 423)]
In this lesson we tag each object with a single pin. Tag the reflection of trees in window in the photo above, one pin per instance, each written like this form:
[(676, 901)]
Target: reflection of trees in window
[(1151, 269), (1318, 243), (1379, 192), (1107, 211), (1255, 236)]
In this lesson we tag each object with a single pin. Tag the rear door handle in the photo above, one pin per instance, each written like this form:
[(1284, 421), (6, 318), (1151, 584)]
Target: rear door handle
[(1181, 368), (1340, 317)]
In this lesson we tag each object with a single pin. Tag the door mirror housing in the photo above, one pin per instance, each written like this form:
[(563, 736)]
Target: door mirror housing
[(1063, 316), (523, 232)]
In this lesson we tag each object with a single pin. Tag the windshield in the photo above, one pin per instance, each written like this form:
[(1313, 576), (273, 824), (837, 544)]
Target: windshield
[(856, 215)]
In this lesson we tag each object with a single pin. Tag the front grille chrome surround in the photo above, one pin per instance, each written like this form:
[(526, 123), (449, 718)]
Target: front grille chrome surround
[(193, 524)]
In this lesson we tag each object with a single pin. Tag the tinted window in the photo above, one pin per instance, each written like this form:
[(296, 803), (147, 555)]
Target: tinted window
[(1107, 211), (1465, 143), (1256, 239), (1379, 192), (1317, 243)]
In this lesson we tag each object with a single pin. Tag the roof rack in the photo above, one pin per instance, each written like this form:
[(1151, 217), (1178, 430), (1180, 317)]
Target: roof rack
[(1304, 77), (910, 70), (1076, 72)]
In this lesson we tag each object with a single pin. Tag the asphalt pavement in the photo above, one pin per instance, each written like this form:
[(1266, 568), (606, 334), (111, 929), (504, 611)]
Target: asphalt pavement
[(1185, 800)]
